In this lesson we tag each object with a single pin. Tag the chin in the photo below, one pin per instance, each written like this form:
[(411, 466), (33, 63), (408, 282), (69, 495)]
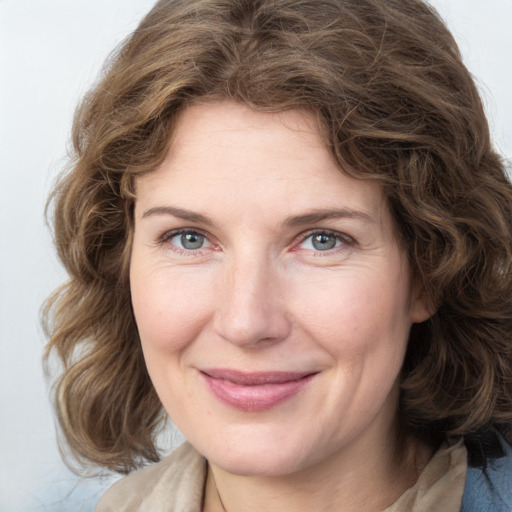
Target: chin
[(258, 464), (269, 459)]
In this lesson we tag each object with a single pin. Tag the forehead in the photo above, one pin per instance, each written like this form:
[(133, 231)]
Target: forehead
[(226, 155), (218, 131)]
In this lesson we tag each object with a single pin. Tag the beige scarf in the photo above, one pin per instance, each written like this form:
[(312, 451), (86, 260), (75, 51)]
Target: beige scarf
[(176, 484)]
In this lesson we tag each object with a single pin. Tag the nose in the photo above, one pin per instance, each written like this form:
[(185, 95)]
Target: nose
[(251, 310)]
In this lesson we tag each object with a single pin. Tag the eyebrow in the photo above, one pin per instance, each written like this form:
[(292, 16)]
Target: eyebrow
[(180, 213), (312, 217), (325, 214)]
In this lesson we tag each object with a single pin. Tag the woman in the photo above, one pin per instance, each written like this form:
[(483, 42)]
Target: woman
[(285, 226)]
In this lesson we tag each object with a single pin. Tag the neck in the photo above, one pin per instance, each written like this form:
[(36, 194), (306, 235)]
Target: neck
[(370, 482)]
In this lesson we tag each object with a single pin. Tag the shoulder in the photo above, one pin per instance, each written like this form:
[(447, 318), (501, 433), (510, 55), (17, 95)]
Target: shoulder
[(490, 489), (174, 484)]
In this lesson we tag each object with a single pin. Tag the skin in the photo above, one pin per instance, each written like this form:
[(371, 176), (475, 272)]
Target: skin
[(258, 294)]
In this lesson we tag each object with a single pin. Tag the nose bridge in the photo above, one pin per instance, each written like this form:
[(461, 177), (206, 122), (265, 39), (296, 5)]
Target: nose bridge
[(250, 307)]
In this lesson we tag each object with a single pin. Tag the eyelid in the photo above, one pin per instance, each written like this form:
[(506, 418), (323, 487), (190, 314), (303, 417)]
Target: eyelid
[(343, 237), (171, 233), (168, 235)]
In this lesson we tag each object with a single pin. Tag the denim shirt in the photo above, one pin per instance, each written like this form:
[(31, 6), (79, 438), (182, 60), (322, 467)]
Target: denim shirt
[(490, 489)]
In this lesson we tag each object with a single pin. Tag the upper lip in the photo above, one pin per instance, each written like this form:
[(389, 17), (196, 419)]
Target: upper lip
[(254, 378)]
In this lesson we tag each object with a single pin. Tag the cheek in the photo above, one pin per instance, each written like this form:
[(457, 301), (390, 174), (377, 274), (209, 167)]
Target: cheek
[(356, 314), (169, 310), (170, 314)]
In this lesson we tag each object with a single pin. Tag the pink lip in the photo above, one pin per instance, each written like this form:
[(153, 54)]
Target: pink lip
[(256, 391)]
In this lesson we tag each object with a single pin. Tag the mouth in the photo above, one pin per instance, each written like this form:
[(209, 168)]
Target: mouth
[(255, 391)]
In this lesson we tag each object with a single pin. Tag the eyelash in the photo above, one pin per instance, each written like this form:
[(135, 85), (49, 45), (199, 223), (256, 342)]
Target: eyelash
[(345, 240), (169, 235)]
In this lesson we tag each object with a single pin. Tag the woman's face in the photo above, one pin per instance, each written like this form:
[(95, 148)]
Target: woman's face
[(272, 299)]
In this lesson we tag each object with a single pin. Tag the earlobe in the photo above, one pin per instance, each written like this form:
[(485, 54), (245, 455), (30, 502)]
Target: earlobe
[(421, 308)]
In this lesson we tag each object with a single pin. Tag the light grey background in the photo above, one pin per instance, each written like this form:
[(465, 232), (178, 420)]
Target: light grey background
[(50, 52)]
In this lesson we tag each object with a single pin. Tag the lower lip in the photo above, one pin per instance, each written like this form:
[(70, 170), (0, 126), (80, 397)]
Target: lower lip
[(253, 398)]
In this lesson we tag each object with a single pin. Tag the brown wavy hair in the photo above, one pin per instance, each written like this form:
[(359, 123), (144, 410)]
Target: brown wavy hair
[(397, 106)]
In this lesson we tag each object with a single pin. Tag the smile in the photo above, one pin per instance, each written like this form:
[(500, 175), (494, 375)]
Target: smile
[(254, 392)]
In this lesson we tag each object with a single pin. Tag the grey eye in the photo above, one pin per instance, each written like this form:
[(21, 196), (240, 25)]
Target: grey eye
[(323, 241), (191, 240), (188, 241)]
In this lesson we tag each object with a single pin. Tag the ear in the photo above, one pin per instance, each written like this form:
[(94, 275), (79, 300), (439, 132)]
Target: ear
[(421, 307)]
